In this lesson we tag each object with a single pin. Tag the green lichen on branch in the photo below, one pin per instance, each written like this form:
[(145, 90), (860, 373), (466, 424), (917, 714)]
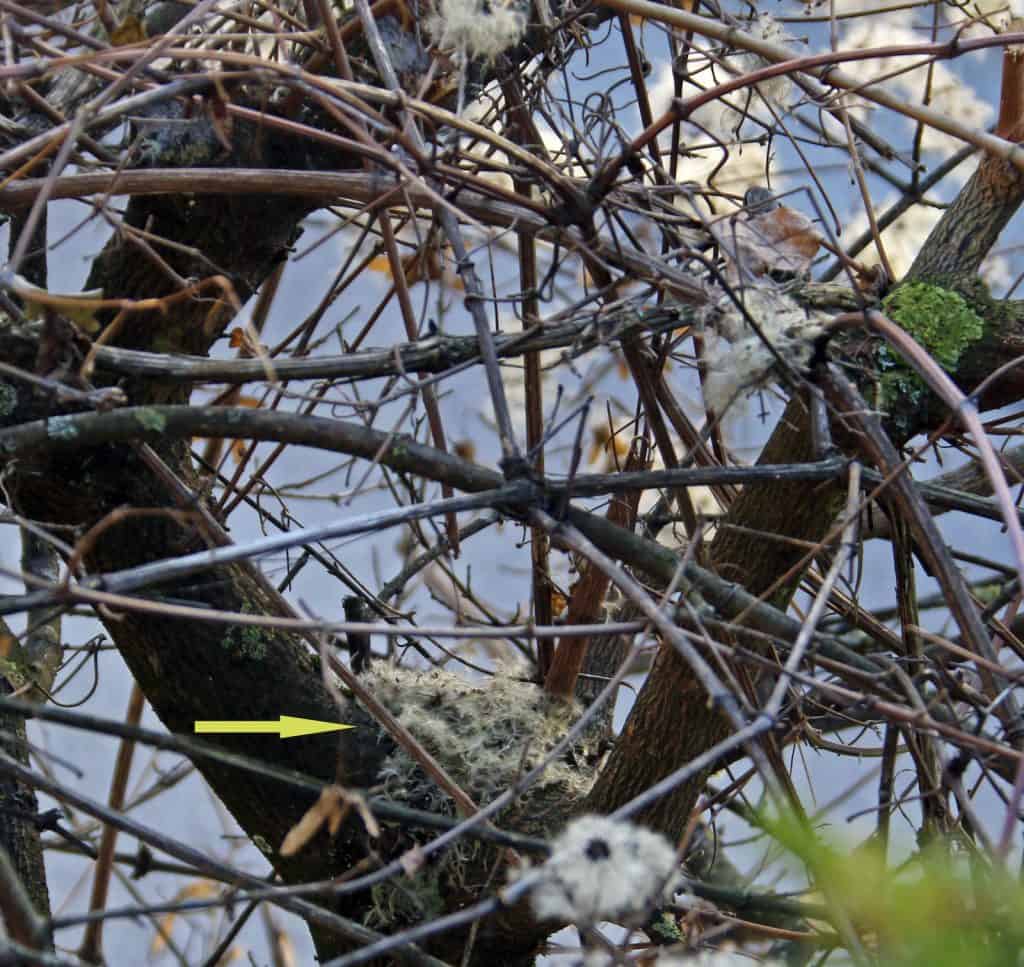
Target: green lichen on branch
[(151, 420), (248, 642), (945, 324), (940, 319), (8, 399)]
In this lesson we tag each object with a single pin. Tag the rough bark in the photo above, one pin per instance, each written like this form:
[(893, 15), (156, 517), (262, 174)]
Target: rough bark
[(970, 226), (19, 810), (672, 722), (190, 670)]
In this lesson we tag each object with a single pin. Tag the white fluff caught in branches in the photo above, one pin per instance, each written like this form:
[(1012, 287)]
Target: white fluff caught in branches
[(774, 90), (477, 28), (738, 358), (605, 869)]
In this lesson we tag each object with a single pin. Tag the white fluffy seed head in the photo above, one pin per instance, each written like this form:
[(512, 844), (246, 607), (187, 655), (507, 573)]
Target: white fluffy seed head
[(605, 869), (478, 28)]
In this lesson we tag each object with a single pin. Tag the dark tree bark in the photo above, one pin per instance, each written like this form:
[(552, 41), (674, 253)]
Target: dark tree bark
[(19, 815)]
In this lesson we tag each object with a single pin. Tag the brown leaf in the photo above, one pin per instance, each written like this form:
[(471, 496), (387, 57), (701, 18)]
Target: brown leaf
[(361, 806), (464, 449), (613, 447), (307, 827), (129, 31), (239, 448), (244, 341), (197, 890), (380, 263), (782, 240), (285, 950), (423, 265), (330, 809)]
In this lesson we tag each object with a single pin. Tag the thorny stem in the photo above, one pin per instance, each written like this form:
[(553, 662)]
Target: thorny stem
[(847, 548), (391, 135), (718, 694), (783, 62)]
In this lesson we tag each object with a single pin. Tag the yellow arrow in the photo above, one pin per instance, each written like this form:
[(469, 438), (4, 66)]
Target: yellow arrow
[(286, 727)]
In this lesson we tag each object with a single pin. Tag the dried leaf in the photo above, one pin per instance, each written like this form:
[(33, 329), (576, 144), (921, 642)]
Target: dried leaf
[(613, 447), (307, 827), (423, 265), (244, 340), (380, 263), (465, 449), (601, 437), (782, 240), (362, 807), (129, 31), (330, 809), (239, 448), (412, 861), (196, 890), (285, 950)]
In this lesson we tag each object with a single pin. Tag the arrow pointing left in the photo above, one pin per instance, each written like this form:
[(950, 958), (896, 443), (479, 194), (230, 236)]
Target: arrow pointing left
[(286, 726)]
